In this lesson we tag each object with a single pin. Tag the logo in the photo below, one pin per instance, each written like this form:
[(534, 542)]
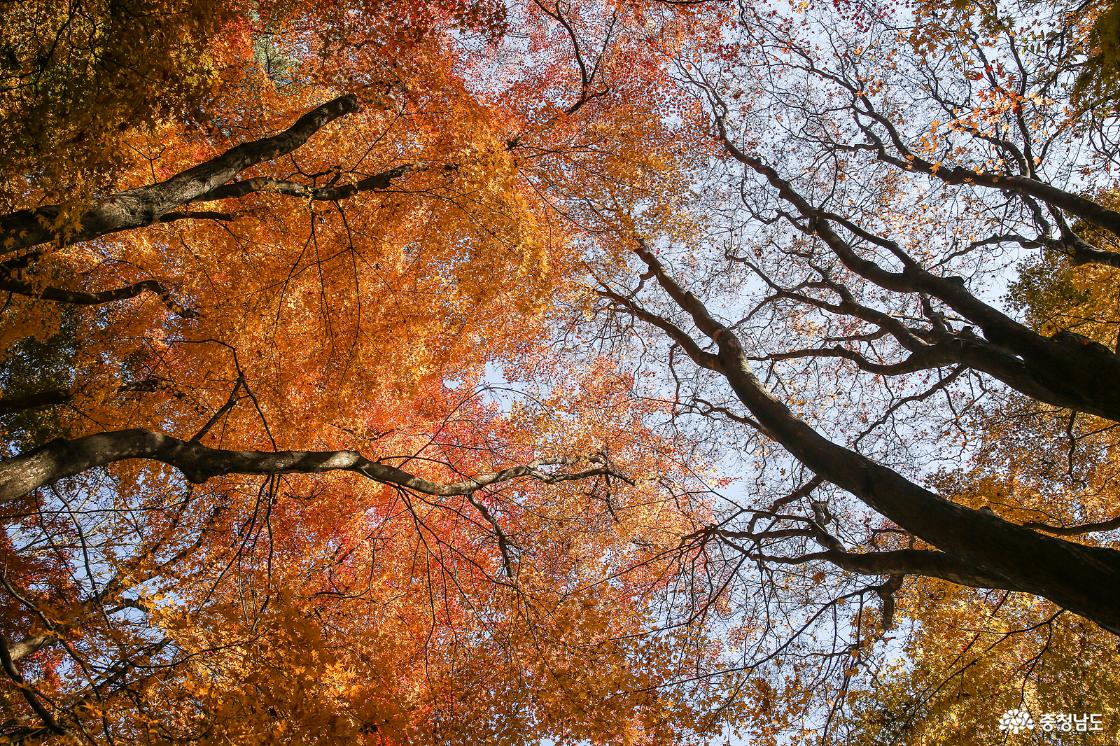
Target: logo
[(1016, 721)]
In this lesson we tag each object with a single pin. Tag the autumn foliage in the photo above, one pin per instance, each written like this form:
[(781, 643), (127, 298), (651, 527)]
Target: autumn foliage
[(624, 372)]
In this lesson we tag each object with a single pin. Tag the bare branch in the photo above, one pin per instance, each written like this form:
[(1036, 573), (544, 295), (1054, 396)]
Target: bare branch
[(62, 458)]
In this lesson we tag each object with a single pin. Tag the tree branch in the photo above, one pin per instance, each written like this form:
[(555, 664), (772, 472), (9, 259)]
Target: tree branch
[(1065, 370), (83, 298), (37, 400), (1081, 578), (198, 463), (143, 206)]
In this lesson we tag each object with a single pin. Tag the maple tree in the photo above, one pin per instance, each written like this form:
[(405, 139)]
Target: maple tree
[(258, 485), (623, 372)]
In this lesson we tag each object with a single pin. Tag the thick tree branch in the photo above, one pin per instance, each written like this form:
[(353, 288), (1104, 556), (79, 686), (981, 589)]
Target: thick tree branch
[(1074, 204), (1083, 579), (1078, 529), (29, 694), (143, 206), (266, 184), (83, 298), (37, 400), (1065, 370), (27, 646), (920, 562), (63, 458), (698, 355)]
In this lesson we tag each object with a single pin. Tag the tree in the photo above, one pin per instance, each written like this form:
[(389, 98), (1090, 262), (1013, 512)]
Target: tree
[(266, 491), (882, 176), (443, 372), (73, 76), (976, 654), (1009, 651)]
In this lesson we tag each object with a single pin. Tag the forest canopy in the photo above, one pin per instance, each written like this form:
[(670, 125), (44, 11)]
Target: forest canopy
[(645, 372)]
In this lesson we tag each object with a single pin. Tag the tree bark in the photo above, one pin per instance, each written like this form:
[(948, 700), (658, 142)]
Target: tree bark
[(63, 458)]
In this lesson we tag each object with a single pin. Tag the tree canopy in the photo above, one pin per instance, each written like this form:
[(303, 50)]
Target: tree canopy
[(652, 372)]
